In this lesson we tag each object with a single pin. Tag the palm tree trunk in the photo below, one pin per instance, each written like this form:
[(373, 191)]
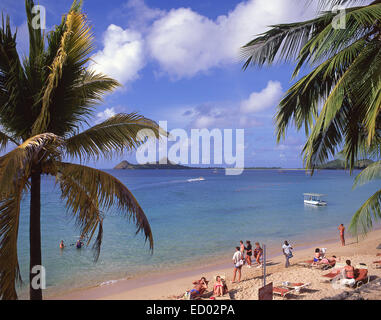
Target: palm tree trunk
[(35, 231)]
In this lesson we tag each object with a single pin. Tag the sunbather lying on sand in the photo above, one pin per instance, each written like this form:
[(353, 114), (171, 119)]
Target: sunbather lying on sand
[(330, 260), (199, 288)]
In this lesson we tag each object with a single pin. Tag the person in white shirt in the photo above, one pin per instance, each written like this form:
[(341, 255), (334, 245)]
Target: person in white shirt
[(238, 263), (287, 253)]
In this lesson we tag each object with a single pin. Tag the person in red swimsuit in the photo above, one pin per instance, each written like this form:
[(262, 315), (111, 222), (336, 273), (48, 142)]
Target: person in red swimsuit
[(341, 229)]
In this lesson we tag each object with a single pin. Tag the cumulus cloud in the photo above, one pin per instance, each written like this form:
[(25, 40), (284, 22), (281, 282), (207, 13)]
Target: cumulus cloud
[(267, 98), (240, 115), (122, 56), (186, 43), (139, 15)]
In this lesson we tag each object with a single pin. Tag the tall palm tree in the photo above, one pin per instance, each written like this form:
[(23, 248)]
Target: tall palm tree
[(338, 102), (44, 100)]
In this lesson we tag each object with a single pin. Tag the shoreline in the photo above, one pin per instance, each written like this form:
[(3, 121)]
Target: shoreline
[(165, 284)]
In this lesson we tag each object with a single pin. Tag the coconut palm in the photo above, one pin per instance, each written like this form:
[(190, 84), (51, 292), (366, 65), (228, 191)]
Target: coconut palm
[(338, 101), (46, 99)]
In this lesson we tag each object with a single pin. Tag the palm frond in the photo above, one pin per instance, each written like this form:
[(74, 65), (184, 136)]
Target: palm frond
[(282, 42), (5, 139), (17, 164), (105, 191), (36, 38), (372, 172), (302, 100), (84, 207), (12, 81), (9, 226), (116, 134), (76, 44), (370, 212)]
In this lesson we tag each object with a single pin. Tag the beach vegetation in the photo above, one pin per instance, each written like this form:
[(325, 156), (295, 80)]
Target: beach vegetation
[(336, 94), (47, 101)]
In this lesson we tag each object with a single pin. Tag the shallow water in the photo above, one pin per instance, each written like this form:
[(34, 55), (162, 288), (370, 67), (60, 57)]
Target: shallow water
[(191, 221)]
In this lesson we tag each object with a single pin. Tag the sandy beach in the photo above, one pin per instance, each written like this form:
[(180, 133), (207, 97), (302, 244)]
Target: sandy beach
[(172, 285)]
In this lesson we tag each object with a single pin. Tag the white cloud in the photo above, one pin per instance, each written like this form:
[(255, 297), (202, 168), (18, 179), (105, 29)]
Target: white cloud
[(237, 115), (139, 15), (186, 43), (267, 98), (104, 115), (123, 55)]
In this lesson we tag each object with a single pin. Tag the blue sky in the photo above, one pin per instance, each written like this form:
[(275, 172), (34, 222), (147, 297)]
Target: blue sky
[(178, 60)]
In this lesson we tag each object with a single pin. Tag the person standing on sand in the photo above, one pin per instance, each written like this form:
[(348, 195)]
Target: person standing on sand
[(238, 263), (341, 229), (286, 248), (249, 253), (242, 249), (258, 251)]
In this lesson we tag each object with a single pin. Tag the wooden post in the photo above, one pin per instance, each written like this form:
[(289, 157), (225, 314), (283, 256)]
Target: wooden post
[(264, 265)]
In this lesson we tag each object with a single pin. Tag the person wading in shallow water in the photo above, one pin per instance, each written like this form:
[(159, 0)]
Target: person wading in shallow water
[(341, 229)]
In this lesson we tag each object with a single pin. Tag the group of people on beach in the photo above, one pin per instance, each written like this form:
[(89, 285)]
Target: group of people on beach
[(200, 286), (243, 255)]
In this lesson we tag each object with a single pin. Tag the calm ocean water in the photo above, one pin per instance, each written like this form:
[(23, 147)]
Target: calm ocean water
[(191, 221)]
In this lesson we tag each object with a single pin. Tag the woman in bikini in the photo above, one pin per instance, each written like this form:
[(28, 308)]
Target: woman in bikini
[(199, 287), (218, 287)]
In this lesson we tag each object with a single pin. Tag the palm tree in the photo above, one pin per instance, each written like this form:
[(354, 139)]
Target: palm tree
[(338, 102), (44, 100)]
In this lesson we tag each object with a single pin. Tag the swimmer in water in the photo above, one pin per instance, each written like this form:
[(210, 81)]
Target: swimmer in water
[(79, 244), (62, 245)]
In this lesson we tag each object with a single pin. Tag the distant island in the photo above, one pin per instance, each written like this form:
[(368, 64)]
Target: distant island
[(331, 165), (125, 165), (340, 164)]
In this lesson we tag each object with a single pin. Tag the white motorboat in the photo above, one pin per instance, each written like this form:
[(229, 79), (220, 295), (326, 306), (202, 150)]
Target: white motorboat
[(197, 179), (314, 199)]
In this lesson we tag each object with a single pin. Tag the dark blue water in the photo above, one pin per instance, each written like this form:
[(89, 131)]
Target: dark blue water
[(191, 221)]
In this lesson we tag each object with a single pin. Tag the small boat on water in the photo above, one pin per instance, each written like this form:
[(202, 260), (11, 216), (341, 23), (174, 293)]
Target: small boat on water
[(196, 179), (314, 199)]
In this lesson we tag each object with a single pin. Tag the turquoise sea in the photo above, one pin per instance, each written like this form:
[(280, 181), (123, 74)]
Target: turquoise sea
[(192, 222)]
